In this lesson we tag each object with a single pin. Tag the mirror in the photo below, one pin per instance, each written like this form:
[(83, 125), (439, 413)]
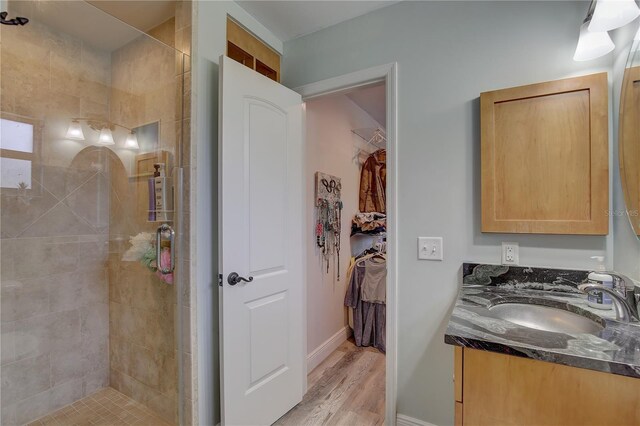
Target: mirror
[(629, 136)]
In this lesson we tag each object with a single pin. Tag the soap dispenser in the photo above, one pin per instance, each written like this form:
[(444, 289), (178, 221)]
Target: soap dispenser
[(599, 299)]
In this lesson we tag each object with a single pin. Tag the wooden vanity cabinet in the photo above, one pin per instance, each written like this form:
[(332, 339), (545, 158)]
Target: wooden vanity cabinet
[(495, 389), (544, 155)]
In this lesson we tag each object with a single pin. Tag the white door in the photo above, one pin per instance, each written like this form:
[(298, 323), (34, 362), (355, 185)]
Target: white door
[(262, 351)]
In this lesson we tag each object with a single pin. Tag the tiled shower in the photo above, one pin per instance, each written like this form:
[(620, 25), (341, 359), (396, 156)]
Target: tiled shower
[(75, 317)]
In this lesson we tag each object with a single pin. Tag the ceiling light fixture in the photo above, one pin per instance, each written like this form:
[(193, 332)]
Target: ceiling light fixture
[(612, 14)]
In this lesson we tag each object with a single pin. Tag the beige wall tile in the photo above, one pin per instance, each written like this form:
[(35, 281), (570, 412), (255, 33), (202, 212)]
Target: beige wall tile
[(183, 13), (60, 220), (91, 202), (61, 181), (19, 212), (164, 32)]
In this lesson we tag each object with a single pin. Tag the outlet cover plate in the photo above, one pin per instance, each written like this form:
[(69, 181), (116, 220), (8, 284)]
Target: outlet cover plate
[(510, 254), (430, 248)]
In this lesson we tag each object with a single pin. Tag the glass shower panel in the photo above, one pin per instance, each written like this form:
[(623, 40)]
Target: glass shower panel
[(91, 110)]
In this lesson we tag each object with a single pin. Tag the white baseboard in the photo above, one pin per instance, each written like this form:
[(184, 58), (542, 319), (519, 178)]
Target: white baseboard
[(402, 420), (320, 353)]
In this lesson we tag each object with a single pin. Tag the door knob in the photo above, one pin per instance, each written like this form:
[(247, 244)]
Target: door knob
[(234, 278)]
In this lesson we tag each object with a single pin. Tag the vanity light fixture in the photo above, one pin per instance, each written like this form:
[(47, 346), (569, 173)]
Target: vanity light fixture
[(105, 128), (592, 44), (612, 14), (132, 141), (106, 137), (75, 131)]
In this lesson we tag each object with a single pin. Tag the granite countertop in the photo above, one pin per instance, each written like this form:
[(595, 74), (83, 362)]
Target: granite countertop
[(614, 349)]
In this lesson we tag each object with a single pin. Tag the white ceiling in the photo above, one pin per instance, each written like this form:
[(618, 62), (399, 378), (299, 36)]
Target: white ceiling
[(292, 19), (372, 99)]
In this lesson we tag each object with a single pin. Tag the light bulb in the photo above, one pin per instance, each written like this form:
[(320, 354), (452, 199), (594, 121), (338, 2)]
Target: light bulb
[(132, 141), (75, 131), (106, 137), (592, 45), (612, 14)]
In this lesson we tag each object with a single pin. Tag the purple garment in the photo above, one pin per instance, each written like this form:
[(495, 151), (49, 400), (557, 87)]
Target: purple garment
[(369, 319)]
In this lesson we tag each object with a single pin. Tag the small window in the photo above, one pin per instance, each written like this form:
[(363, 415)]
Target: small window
[(16, 154)]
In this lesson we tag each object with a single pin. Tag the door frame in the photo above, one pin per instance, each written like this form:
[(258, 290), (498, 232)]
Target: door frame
[(388, 74)]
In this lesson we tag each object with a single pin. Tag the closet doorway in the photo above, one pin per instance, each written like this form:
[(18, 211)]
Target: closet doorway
[(350, 250)]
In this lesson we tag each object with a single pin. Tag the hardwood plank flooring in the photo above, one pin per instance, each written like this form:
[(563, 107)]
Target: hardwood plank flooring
[(346, 389)]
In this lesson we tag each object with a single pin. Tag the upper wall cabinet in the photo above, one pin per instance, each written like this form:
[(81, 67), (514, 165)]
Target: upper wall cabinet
[(545, 165), (245, 48)]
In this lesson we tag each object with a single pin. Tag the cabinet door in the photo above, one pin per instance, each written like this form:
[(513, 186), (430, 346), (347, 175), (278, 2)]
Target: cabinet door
[(505, 390), (545, 165)]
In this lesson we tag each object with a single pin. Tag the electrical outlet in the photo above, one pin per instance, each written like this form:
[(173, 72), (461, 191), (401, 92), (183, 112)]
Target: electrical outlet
[(430, 248), (510, 254)]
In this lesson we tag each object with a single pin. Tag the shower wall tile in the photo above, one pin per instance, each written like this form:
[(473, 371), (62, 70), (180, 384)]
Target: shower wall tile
[(60, 220), (183, 14), (39, 257), (8, 415), (8, 347), (50, 334), (47, 401), (61, 181), (21, 379), (67, 367), (33, 407), (95, 380), (19, 212), (23, 298)]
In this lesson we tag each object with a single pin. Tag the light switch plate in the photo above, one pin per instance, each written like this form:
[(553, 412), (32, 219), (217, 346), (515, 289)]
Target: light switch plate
[(430, 248), (510, 254)]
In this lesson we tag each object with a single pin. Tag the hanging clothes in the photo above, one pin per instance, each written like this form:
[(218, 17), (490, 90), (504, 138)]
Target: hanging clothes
[(373, 183), (369, 318), (374, 286)]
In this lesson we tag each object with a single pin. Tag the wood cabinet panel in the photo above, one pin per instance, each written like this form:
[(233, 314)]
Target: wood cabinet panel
[(545, 157), (457, 418), (245, 48), (457, 373), (507, 390)]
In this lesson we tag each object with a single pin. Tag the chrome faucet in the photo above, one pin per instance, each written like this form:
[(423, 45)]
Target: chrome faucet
[(623, 296)]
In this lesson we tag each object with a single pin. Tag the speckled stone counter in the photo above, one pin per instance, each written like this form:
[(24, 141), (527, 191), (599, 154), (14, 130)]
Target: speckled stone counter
[(614, 349)]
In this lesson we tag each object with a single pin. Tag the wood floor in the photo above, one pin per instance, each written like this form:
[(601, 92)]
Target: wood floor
[(346, 389)]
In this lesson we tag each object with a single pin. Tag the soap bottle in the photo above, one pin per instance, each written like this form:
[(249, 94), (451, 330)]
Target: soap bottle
[(599, 299)]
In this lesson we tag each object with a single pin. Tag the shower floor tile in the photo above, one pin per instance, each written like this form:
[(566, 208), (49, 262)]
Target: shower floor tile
[(107, 407)]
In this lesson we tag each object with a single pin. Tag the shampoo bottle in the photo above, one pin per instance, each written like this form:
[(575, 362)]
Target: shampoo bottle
[(160, 192), (599, 299)]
